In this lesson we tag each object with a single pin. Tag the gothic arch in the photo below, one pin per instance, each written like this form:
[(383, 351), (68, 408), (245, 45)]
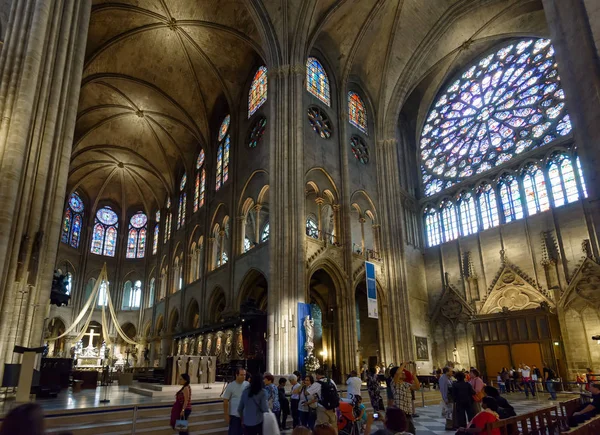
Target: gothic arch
[(173, 321), (216, 305), (254, 286), (193, 315)]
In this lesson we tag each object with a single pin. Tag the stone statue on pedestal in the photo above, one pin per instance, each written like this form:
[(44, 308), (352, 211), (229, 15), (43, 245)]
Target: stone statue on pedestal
[(309, 328)]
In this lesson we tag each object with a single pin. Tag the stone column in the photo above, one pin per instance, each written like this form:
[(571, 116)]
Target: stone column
[(40, 77), (362, 221), (257, 209), (577, 59), (241, 221), (211, 254), (337, 232), (376, 241), (320, 202)]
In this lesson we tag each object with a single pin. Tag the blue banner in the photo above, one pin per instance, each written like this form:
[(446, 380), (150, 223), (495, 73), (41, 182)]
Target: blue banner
[(303, 311), (371, 290)]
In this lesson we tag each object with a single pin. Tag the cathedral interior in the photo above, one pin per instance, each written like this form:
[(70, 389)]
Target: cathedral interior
[(206, 174)]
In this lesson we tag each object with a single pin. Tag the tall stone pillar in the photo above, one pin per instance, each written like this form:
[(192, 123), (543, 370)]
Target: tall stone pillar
[(287, 284), (40, 77), (579, 70)]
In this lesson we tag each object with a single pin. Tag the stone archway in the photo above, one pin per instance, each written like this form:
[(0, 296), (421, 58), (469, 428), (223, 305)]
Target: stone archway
[(56, 327), (370, 331), (193, 315), (253, 291)]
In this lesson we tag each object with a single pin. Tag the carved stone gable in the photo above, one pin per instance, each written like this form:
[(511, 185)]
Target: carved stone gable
[(451, 307), (513, 290), (584, 287)]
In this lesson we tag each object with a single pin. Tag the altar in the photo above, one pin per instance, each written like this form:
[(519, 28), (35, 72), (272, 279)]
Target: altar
[(89, 357)]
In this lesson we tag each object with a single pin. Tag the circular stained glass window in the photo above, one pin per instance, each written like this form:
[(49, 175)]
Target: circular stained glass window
[(76, 203), (509, 102), (257, 132), (319, 122), (138, 220), (224, 127), (359, 149), (107, 216)]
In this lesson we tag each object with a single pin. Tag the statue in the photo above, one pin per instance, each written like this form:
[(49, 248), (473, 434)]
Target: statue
[(186, 342), (455, 356), (208, 344), (239, 342), (228, 343), (146, 353), (179, 343), (309, 328), (219, 343), (200, 342)]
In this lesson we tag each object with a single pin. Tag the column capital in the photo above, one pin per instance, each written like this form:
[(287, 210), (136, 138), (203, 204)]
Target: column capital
[(362, 220), (288, 69)]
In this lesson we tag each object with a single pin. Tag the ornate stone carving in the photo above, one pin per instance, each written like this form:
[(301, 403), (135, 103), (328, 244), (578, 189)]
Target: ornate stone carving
[(200, 343), (452, 309), (209, 343), (219, 343), (228, 342), (239, 342)]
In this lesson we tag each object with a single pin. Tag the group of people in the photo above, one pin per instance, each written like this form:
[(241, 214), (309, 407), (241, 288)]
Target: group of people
[(526, 378), (468, 404)]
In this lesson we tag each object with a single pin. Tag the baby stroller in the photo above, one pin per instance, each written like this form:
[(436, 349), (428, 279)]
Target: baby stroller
[(348, 423)]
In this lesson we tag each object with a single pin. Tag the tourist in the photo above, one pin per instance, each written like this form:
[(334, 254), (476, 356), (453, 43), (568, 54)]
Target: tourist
[(360, 410), (505, 409), (27, 419), (374, 388), (295, 399), (364, 371), (526, 379), (401, 393), (395, 423), (301, 430), (325, 429), (253, 405), (325, 391), (549, 377), (505, 375), (536, 377), (231, 401), (307, 407), (445, 384), (354, 383), (283, 403), (489, 414), (588, 411), (462, 393), (589, 378), (515, 375), (501, 384), (478, 385), (182, 408), (272, 395)]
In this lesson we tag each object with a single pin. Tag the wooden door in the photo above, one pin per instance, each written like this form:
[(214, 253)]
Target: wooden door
[(496, 357), (527, 353)]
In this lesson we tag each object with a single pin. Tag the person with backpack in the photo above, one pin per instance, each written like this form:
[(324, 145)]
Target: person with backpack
[(328, 399)]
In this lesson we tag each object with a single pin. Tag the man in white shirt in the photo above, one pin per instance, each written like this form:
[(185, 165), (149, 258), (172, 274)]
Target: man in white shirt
[(528, 384), (324, 416), (231, 401), (354, 383)]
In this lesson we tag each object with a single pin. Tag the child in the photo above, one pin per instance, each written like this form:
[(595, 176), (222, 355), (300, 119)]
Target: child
[(284, 403), (501, 385)]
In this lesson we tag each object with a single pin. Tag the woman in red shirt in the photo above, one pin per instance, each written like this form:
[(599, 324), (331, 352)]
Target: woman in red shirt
[(182, 407), (488, 415)]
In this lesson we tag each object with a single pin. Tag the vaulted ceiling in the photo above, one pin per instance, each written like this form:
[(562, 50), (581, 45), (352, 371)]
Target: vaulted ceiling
[(159, 72)]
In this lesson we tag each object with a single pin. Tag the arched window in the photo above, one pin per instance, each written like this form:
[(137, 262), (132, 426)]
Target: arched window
[(182, 202), (200, 186), (223, 154), (223, 259), (69, 286), (247, 244), (168, 222), (127, 290), (534, 185), (151, 292), (136, 240), (104, 238), (103, 294), (507, 103), (468, 214), (488, 207), (132, 295), (357, 112), (510, 196), (562, 180), (581, 179), (72, 221), (264, 235), (258, 91), (312, 229), (156, 233), (433, 227), (449, 221), (178, 274), (317, 82)]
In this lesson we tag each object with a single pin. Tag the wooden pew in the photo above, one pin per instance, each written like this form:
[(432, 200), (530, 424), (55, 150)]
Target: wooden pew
[(590, 427), (541, 422)]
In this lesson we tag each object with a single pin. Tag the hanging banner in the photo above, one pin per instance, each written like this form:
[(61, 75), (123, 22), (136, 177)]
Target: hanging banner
[(371, 290)]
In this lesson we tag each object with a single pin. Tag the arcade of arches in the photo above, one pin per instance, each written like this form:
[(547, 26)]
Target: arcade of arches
[(233, 163)]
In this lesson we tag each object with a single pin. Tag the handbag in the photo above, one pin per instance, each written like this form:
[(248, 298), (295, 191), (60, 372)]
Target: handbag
[(270, 424), (181, 425)]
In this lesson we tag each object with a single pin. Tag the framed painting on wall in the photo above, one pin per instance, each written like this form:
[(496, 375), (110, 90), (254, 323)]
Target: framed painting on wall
[(422, 348)]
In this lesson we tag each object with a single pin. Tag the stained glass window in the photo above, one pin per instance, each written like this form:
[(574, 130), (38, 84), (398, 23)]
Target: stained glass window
[(488, 207), (69, 285), (312, 230), (359, 149), (317, 82), (156, 233), (151, 292), (319, 122), (449, 221), (534, 185), (104, 236), (468, 214), (510, 197), (434, 229), (264, 236), (509, 102), (581, 179), (258, 91), (182, 202), (168, 223), (134, 295), (223, 154), (562, 180), (136, 239), (247, 244), (357, 112), (102, 293), (257, 132), (72, 221), (200, 185)]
